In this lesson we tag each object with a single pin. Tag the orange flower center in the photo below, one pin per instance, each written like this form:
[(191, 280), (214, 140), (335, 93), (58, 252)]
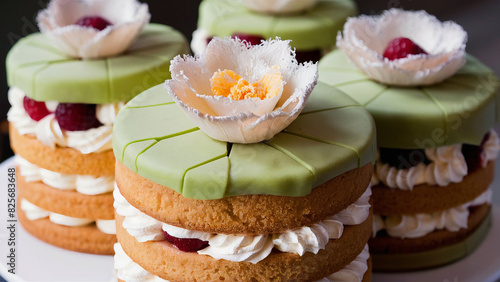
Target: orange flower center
[(229, 84)]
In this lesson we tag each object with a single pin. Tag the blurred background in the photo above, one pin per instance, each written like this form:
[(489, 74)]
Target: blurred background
[(479, 18)]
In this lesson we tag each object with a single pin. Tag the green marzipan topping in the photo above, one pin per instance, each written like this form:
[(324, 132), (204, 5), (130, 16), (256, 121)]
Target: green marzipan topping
[(154, 138), (46, 74), (313, 29), (459, 110), (432, 258)]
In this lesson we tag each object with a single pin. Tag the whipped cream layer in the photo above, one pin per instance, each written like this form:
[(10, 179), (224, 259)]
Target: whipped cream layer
[(48, 131), (128, 270), (84, 184), (245, 247), (419, 225), (33, 212), (447, 165)]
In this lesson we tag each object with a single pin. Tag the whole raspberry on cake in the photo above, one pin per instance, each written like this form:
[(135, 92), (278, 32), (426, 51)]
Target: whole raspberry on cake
[(436, 156), (241, 168), (311, 25), (66, 86)]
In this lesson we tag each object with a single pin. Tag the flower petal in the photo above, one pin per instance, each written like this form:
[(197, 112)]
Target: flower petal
[(247, 120), (365, 38), (58, 23)]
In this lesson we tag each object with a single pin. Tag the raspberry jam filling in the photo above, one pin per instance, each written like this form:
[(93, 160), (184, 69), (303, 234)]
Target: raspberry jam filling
[(402, 47), (96, 22), (185, 244)]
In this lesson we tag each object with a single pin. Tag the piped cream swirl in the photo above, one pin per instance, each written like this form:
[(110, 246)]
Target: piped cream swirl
[(84, 184), (447, 166), (247, 248), (419, 225), (138, 224), (33, 212), (354, 271), (48, 131), (128, 270), (491, 148)]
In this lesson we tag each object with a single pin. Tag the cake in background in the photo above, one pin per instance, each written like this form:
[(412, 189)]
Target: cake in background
[(67, 84), (311, 24), (254, 178), (434, 107)]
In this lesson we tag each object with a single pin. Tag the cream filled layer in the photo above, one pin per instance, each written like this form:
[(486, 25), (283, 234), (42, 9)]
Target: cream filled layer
[(33, 212), (419, 225), (447, 166), (245, 247), (84, 184), (48, 131), (128, 270)]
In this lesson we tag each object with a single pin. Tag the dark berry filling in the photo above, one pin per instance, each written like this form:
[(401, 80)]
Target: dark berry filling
[(249, 38), (301, 56), (402, 47), (96, 22), (185, 244), (473, 154), (306, 56), (402, 158), (76, 117), (35, 109)]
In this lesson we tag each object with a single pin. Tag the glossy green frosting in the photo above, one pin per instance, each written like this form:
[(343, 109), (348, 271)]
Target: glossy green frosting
[(46, 74), (432, 258), (313, 29), (459, 110), (332, 135)]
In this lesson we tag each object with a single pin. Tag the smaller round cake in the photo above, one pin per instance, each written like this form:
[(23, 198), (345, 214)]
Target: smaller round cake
[(434, 107), (311, 25), (275, 194), (64, 99)]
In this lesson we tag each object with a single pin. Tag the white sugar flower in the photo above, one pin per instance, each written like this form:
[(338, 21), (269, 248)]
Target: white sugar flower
[(278, 6), (365, 38), (239, 93), (127, 18)]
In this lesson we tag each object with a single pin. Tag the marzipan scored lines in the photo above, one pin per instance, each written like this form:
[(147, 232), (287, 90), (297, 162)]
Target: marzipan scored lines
[(443, 110), (150, 106), (157, 139), (294, 157)]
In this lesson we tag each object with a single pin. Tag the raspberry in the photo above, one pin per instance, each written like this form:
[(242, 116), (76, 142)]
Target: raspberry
[(96, 22), (209, 39), (186, 245), (402, 158), (402, 47), (305, 56), (35, 109), (248, 38), (76, 117), (474, 154)]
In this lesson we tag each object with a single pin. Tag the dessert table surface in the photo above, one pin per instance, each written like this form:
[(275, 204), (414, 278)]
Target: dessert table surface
[(38, 261)]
